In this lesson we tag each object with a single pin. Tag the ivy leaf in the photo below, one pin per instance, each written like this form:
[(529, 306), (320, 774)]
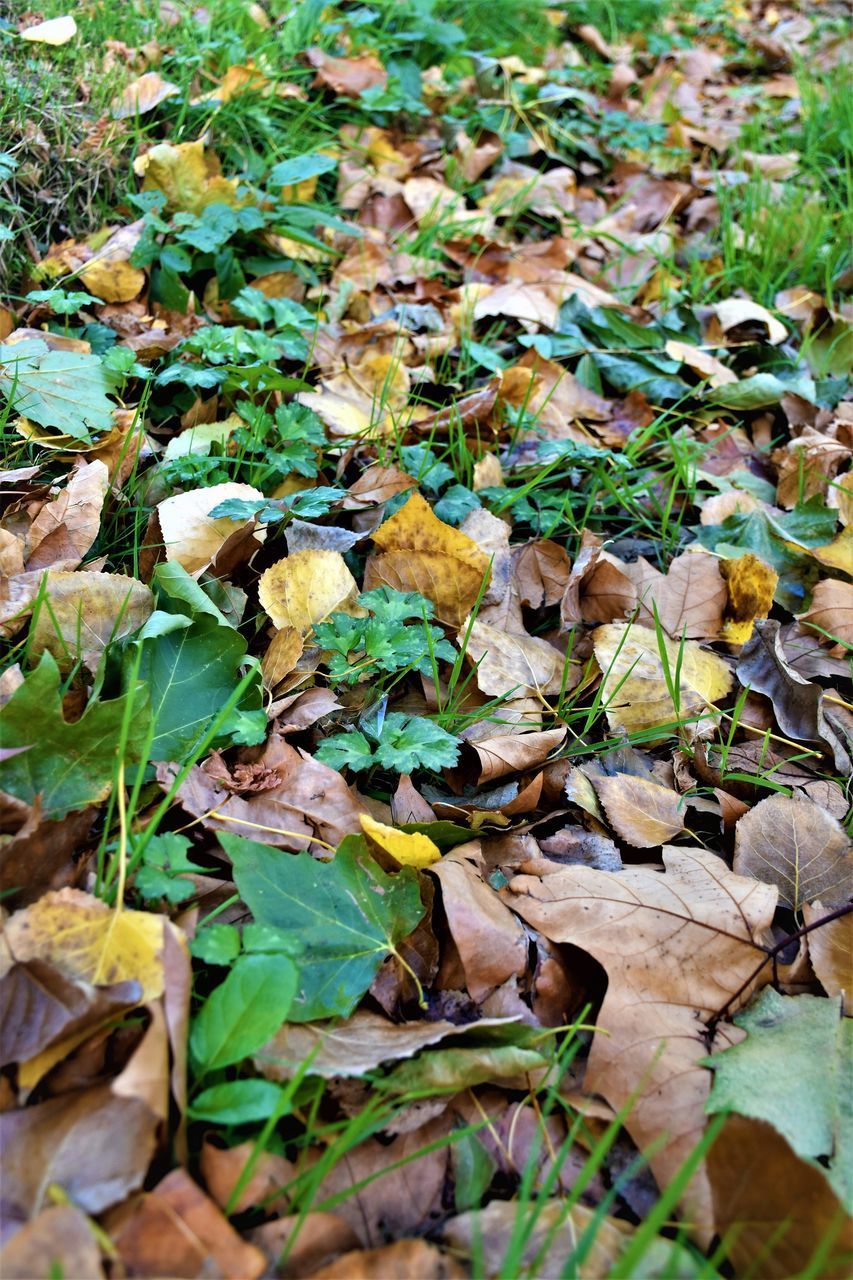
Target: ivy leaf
[(241, 1014), (347, 914), (413, 742), (63, 391), (67, 765)]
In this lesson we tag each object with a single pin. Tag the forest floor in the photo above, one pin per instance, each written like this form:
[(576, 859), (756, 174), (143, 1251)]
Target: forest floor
[(427, 601)]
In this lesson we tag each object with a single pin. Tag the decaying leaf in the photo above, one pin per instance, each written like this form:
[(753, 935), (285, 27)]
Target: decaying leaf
[(793, 843), (191, 536), (415, 551), (187, 175), (709, 924), (751, 586), (81, 613), (831, 610)]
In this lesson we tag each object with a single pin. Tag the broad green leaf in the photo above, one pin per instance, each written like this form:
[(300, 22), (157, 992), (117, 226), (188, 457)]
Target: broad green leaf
[(190, 673), (68, 765), (795, 1071), (347, 914), (216, 944), (61, 390), (244, 1011), (237, 1102), (759, 390), (350, 749), (299, 168)]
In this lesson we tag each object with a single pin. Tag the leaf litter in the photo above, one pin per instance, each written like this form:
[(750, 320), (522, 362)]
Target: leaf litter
[(425, 588)]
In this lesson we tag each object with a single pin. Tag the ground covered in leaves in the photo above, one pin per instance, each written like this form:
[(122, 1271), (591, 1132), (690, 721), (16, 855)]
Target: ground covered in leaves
[(427, 599)]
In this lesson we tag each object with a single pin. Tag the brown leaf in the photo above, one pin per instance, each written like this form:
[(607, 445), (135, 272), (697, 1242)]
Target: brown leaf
[(676, 949), (175, 1230), (58, 1241), (222, 1168), (552, 395), (797, 703), (793, 843), (831, 610), (774, 1210), (639, 810), (95, 1146), (39, 1005), (415, 551), (831, 952), (312, 1240), (402, 1260), (491, 943), (349, 76), (311, 801), (376, 485), (142, 95), (361, 1044), (518, 664), (514, 752), (36, 852), (541, 570), (84, 612), (65, 528)]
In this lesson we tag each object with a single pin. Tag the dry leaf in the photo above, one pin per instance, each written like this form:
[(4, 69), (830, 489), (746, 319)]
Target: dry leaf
[(793, 843), (349, 76), (58, 1241), (415, 551), (404, 1260), (639, 810), (635, 691), (54, 31), (409, 849), (40, 1005), (733, 312), (677, 948), (492, 944), (831, 952), (365, 399), (191, 536), (751, 586), (142, 95), (701, 362), (304, 588), (312, 1239), (831, 610), (776, 1211), (541, 571), (65, 528), (689, 599), (513, 752), (512, 664), (84, 612)]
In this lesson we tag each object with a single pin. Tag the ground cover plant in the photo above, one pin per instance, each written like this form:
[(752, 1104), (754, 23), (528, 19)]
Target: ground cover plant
[(427, 603)]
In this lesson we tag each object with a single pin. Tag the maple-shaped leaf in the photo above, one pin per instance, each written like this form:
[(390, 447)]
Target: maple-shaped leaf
[(68, 765), (413, 742), (677, 948), (64, 391), (347, 914)]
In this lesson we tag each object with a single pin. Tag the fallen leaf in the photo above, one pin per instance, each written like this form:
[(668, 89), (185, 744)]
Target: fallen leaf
[(312, 1239), (65, 528), (640, 811), (831, 610), (774, 1210), (513, 752), (366, 399), (492, 944), (541, 570), (190, 535), (831, 952), (701, 362), (751, 587), (807, 1101), (55, 31), (404, 1260), (188, 176), (734, 312), (513, 664), (409, 849), (141, 96), (304, 588), (415, 551), (40, 1005), (791, 842), (348, 76), (710, 924), (83, 612), (57, 1241), (635, 691)]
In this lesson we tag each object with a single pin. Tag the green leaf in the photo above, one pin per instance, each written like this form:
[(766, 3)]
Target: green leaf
[(67, 765), (795, 1071), (350, 749), (190, 673), (413, 742), (244, 1012), (347, 915), (216, 944), (237, 1102), (164, 862), (61, 390), (759, 390), (299, 168), (456, 503)]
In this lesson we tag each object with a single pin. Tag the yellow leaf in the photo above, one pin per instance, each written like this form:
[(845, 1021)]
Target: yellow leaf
[(55, 31), (84, 938), (190, 535), (752, 585), (365, 399), (83, 612), (305, 588), (410, 849), (837, 554), (189, 178), (142, 94), (635, 692), (113, 280), (415, 551)]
